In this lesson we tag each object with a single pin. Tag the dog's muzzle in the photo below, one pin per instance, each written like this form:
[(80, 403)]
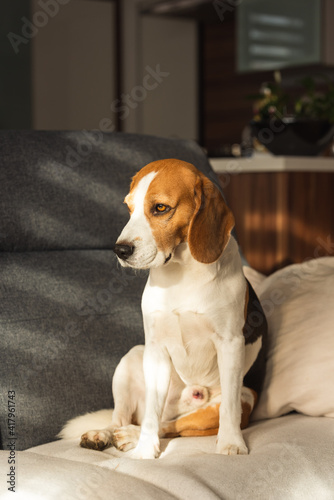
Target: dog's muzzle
[(123, 251)]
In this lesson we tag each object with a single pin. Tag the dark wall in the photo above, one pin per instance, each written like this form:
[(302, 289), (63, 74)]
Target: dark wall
[(15, 65)]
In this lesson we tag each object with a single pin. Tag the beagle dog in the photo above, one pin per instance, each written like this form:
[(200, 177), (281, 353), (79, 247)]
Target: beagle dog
[(202, 365)]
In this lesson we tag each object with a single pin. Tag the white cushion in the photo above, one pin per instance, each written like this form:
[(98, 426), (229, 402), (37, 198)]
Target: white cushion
[(294, 447), (299, 304)]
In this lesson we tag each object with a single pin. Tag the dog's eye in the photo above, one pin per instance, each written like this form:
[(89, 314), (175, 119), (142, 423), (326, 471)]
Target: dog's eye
[(160, 208)]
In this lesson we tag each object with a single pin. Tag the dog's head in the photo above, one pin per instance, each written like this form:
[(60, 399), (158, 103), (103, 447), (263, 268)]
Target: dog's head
[(171, 202)]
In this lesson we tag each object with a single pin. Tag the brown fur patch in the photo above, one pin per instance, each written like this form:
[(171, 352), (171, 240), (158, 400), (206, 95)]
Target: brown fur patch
[(197, 423), (172, 186), (211, 226), (204, 421)]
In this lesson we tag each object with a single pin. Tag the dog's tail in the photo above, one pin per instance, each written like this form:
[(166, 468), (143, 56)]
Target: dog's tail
[(90, 421)]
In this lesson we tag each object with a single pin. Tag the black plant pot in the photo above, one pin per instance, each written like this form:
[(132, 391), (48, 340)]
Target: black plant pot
[(294, 137)]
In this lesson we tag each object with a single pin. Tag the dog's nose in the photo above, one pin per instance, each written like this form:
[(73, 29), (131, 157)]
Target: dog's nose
[(123, 251)]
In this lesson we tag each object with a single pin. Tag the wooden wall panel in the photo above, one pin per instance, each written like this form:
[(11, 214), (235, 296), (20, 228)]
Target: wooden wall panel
[(311, 215), (282, 218)]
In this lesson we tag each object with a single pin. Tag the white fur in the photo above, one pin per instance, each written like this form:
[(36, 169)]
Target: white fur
[(77, 426)]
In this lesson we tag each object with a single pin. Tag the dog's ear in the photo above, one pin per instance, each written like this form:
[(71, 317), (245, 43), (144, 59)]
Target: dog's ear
[(212, 222)]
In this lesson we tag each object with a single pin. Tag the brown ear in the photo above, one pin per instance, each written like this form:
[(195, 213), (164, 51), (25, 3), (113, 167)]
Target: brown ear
[(212, 223)]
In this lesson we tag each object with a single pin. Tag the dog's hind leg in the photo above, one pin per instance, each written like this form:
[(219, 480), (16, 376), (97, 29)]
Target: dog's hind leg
[(205, 421), (129, 396)]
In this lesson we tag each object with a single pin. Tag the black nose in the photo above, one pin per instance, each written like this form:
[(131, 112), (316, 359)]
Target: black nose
[(123, 251)]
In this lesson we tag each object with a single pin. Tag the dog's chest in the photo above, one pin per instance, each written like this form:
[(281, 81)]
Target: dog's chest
[(178, 288), (178, 306), (192, 351), (187, 336)]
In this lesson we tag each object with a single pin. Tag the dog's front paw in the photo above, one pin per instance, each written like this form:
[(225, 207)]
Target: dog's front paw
[(147, 448), (97, 440), (126, 438), (231, 445)]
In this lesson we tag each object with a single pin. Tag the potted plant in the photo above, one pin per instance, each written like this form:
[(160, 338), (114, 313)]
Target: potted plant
[(303, 126)]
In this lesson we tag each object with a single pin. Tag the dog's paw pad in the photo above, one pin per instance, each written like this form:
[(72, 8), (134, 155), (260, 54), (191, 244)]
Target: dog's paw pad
[(96, 440)]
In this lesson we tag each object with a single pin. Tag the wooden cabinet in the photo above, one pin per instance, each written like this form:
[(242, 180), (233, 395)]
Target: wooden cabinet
[(282, 217)]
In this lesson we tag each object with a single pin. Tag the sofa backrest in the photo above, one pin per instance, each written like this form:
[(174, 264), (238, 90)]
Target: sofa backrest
[(68, 312), (61, 190)]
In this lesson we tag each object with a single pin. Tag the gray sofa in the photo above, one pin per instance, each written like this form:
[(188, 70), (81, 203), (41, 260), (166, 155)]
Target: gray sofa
[(69, 313)]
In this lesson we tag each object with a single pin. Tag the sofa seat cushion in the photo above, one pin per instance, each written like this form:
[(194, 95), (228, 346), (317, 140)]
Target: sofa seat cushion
[(283, 463)]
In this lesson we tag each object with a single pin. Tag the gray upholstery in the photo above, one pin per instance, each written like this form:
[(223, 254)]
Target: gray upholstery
[(61, 190), (68, 311)]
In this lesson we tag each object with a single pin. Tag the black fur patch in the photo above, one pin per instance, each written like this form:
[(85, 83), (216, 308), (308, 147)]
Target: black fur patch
[(255, 326)]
